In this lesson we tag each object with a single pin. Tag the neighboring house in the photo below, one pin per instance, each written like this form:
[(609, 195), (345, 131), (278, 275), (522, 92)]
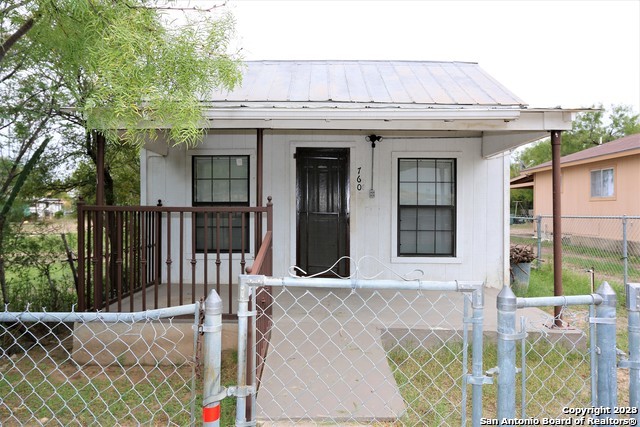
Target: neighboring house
[(45, 207), (598, 181), (430, 196)]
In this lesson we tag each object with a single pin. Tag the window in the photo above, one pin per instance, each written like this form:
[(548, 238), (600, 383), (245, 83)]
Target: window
[(602, 183), (221, 181), (426, 207)]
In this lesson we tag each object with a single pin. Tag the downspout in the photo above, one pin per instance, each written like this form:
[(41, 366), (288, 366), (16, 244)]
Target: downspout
[(556, 142)]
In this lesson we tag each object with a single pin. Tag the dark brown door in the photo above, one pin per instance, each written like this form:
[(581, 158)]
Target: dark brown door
[(322, 208)]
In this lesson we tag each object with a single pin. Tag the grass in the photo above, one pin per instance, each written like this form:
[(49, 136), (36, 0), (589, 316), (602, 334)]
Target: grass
[(44, 385), (430, 382)]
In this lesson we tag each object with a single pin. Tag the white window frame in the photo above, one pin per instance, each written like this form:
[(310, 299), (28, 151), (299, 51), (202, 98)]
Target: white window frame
[(404, 259), (601, 183)]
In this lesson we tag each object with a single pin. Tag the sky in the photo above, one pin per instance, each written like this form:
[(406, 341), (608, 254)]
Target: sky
[(572, 53)]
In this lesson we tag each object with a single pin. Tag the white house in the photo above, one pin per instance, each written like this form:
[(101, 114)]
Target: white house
[(402, 166)]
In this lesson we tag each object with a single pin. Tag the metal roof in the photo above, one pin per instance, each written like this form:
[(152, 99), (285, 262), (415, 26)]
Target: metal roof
[(347, 84)]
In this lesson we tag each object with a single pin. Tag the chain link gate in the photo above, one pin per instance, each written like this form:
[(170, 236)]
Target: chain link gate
[(360, 351), (568, 370)]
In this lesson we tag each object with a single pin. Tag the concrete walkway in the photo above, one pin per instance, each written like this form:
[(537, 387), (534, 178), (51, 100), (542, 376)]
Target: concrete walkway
[(327, 358)]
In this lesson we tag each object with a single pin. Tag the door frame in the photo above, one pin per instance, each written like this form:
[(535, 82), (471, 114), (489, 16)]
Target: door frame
[(351, 147)]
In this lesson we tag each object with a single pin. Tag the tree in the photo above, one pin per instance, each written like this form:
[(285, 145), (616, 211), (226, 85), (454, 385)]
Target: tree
[(123, 71), (589, 130)]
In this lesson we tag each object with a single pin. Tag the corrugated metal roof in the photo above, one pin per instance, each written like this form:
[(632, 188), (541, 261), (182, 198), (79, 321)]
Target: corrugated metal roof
[(627, 143), (401, 84)]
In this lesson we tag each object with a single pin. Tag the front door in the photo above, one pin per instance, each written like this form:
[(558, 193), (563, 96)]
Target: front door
[(322, 210)]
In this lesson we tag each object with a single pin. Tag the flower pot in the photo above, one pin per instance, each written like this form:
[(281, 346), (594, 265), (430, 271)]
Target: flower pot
[(520, 274)]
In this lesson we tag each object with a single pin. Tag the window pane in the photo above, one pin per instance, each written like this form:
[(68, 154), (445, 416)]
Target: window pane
[(239, 191), (444, 243), (595, 183), (239, 167), (427, 194), (426, 219), (220, 191), (607, 183), (408, 195), (203, 167), (426, 243), (203, 190), (220, 167), (407, 218), (408, 242), (408, 170), (445, 194), (444, 220), (427, 170), (445, 171)]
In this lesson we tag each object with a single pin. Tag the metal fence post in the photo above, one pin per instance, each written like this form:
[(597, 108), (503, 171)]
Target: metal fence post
[(212, 355), (506, 302), (539, 232), (625, 257), (476, 356), (633, 307), (606, 337)]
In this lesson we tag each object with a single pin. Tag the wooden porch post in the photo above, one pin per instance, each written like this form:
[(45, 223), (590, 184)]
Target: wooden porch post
[(98, 251), (556, 142), (100, 144)]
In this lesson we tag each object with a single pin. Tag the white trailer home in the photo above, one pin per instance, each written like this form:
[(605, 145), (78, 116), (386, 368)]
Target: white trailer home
[(373, 167)]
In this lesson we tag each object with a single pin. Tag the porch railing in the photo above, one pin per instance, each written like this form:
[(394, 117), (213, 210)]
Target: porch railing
[(169, 255)]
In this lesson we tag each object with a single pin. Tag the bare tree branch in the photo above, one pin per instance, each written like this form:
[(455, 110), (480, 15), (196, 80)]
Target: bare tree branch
[(17, 35)]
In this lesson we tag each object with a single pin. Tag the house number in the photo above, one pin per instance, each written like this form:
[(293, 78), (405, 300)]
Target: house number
[(359, 179)]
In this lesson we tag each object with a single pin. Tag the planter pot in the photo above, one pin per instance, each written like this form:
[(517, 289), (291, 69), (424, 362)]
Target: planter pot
[(520, 274)]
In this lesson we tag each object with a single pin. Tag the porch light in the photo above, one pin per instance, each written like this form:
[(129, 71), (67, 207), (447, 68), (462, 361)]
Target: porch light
[(373, 138)]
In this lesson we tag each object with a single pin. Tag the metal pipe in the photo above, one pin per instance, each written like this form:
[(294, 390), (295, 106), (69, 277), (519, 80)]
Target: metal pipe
[(539, 231), (506, 302), (633, 307), (523, 368), (465, 358), (625, 255), (606, 336), (212, 358), (83, 317), (476, 356), (556, 141), (243, 313), (559, 301), (593, 356), (411, 285)]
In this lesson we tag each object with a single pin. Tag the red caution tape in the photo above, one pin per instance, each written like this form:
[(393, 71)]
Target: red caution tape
[(211, 413)]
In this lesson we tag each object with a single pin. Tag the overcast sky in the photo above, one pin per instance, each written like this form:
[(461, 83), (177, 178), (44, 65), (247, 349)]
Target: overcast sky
[(569, 53)]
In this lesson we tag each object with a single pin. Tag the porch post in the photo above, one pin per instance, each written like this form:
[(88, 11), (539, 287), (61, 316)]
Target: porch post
[(100, 143), (556, 141), (98, 252), (259, 183)]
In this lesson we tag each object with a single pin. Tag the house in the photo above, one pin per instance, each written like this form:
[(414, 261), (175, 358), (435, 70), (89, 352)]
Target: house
[(45, 207), (599, 181), (374, 168)]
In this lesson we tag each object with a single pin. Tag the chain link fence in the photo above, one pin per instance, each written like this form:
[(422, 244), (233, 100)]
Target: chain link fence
[(610, 245), (98, 368), (366, 355)]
